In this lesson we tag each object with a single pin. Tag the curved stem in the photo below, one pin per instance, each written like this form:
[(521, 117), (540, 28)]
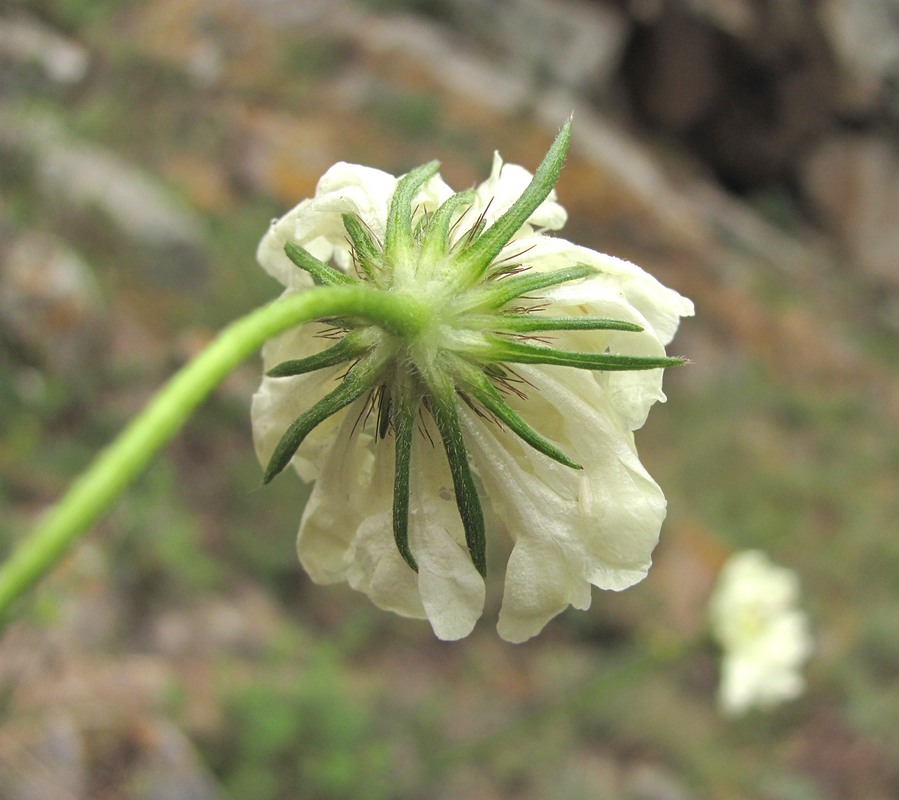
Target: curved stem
[(122, 461)]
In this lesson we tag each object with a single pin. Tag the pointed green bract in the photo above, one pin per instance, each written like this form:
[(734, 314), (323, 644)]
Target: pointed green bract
[(435, 243), (521, 353), (351, 346), (478, 256), (403, 413), (398, 239), (385, 414), (497, 294), (366, 253), (353, 386), (321, 273), (446, 416), (536, 323), (480, 387)]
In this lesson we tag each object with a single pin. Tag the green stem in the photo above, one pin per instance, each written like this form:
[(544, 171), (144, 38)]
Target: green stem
[(122, 461)]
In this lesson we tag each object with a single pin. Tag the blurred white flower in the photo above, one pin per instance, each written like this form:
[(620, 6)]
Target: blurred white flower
[(764, 635), (473, 377)]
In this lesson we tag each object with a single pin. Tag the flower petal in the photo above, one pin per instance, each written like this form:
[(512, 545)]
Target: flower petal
[(375, 567), (571, 528), (345, 494), (317, 224), (433, 194), (505, 185), (270, 253), (747, 682), (630, 393), (346, 530), (447, 589), (660, 306), (346, 534), (498, 193), (347, 189)]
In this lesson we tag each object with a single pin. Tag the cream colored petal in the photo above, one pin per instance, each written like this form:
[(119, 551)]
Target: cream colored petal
[(345, 494), (447, 589), (317, 223), (350, 536), (545, 572), (630, 393), (270, 253), (347, 533), (660, 306), (375, 567), (347, 189), (496, 195), (431, 196), (571, 528), (373, 563), (752, 594), (541, 582)]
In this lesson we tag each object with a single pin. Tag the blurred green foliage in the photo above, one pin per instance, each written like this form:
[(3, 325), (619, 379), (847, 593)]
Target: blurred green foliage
[(80, 13), (303, 736)]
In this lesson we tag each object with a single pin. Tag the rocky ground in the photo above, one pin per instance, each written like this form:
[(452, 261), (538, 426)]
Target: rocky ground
[(744, 152)]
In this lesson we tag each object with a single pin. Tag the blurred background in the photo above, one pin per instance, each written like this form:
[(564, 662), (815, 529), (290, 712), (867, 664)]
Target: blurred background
[(743, 151)]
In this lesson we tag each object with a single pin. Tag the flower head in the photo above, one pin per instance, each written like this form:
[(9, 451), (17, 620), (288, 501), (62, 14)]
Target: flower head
[(765, 637), (486, 350)]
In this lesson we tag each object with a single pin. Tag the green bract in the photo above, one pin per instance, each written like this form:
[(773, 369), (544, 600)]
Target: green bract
[(454, 296)]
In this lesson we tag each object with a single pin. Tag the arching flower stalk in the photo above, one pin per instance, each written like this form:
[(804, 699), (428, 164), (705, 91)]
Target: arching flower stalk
[(486, 350)]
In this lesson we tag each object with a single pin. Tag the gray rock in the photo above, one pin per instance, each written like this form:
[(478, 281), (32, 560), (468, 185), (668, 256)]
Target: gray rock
[(852, 180), (50, 303), (169, 767), (53, 765), (648, 782), (462, 69), (571, 43), (865, 37), (26, 40), (88, 179), (736, 17), (91, 177)]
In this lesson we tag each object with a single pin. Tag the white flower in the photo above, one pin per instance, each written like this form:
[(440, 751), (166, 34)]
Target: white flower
[(552, 443), (764, 635)]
